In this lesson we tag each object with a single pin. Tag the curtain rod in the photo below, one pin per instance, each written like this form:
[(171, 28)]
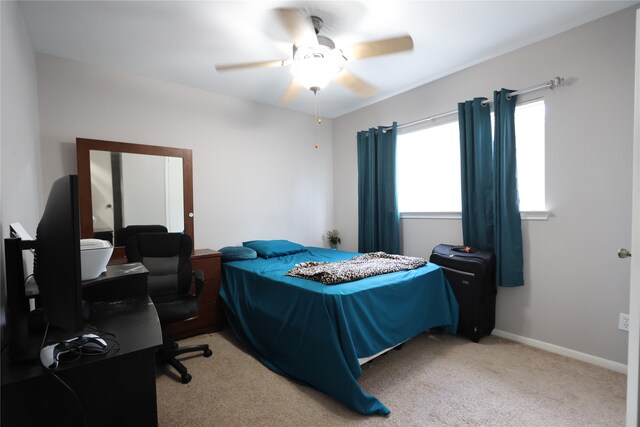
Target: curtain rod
[(556, 81)]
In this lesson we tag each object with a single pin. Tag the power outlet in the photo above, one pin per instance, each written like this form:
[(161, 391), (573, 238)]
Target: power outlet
[(623, 322)]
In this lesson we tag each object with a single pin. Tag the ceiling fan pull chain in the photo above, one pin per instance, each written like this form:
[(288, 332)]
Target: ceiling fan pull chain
[(316, 108)]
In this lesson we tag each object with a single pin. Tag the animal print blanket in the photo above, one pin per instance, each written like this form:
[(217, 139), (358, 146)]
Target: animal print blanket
[(359, 267)]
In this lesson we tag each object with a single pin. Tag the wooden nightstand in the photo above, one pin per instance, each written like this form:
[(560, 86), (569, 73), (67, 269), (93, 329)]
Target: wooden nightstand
[(210, 316)]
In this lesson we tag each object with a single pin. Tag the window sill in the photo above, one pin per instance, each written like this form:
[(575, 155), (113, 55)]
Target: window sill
[(430, 215), (525, 215), (535, 215)]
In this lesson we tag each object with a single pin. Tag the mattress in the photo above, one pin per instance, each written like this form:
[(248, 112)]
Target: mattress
[(317, 333)]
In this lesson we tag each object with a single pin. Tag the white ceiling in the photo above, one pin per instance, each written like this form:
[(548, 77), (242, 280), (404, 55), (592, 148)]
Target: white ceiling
[(182, 41)]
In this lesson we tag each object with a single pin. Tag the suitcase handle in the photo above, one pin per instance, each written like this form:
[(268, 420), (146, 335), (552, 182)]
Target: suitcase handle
[(464, 249)]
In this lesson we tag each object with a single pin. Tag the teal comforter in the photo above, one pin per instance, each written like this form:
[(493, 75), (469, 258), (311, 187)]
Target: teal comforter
[(315, 333)]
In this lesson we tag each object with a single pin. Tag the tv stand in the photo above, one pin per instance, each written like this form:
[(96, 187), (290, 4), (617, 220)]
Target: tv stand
[(17, 302)]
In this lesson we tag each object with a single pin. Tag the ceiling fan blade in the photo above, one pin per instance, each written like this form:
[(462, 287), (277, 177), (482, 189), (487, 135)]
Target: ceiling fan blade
[(355, 83), (299, 26), (262, 64), (379, 47), (292, 91)]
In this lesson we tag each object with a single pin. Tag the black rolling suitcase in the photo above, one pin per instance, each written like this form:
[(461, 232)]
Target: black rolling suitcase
[(472, 276)]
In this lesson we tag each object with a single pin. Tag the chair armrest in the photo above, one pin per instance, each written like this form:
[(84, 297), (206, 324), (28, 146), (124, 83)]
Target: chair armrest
[(199, 276)]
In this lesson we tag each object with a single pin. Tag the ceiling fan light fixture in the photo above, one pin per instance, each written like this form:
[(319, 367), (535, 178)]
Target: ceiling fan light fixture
[(315, 73), (314, 67)]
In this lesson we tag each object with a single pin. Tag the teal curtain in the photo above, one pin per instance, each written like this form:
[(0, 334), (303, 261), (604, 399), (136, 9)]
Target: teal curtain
[(378, 216), (507, 230), (476, 165), (490, 211)]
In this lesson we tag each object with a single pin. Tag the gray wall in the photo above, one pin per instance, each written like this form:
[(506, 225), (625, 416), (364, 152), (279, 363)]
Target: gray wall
[(257, 173), (20, 150), (575, 285)]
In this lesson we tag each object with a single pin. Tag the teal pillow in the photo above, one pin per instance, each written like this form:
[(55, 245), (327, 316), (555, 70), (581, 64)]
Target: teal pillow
[(273, 248), (237, 253)]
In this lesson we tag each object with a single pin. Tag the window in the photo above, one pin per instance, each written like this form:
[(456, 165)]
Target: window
[(428, 164)]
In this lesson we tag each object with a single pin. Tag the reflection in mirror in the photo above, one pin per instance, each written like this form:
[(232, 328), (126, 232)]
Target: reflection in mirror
[(115, 185), (135, 189)]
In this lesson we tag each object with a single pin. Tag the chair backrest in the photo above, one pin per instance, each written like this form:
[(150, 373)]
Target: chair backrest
[(123, 234), (167, 256)]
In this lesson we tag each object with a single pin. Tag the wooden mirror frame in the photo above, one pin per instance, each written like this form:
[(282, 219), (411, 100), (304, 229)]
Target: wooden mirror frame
[(83, 149)]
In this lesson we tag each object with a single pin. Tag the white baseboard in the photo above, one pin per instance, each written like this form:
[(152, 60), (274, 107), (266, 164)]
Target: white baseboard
[(598, 361)]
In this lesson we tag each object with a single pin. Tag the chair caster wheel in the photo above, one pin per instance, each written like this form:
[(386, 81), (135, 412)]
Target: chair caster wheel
[(208, 352), (185, 378)]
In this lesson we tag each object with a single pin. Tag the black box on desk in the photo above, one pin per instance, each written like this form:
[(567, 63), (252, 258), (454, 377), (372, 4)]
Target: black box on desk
[(119, 282)]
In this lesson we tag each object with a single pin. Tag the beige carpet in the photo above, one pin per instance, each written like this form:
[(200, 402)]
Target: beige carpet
[(434, 380)]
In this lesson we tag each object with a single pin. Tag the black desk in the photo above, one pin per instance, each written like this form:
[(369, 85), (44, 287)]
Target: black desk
[(114, 389)]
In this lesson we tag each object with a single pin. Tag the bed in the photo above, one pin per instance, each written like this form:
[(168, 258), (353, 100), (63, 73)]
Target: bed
[(319, 334)]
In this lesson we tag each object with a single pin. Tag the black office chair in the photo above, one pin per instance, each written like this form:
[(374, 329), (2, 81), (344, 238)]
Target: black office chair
[(123, 234), (167, 256)]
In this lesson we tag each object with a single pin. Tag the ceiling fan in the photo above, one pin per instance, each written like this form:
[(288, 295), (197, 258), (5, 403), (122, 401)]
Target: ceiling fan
[(316, 60)]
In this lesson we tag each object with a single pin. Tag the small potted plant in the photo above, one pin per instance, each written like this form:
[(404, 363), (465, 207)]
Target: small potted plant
[(333, 238)]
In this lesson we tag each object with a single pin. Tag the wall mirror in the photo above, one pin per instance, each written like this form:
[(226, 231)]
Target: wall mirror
[(123, 184)]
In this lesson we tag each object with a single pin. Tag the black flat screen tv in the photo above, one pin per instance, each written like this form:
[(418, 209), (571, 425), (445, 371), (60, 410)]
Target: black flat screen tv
[(56, 265)]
